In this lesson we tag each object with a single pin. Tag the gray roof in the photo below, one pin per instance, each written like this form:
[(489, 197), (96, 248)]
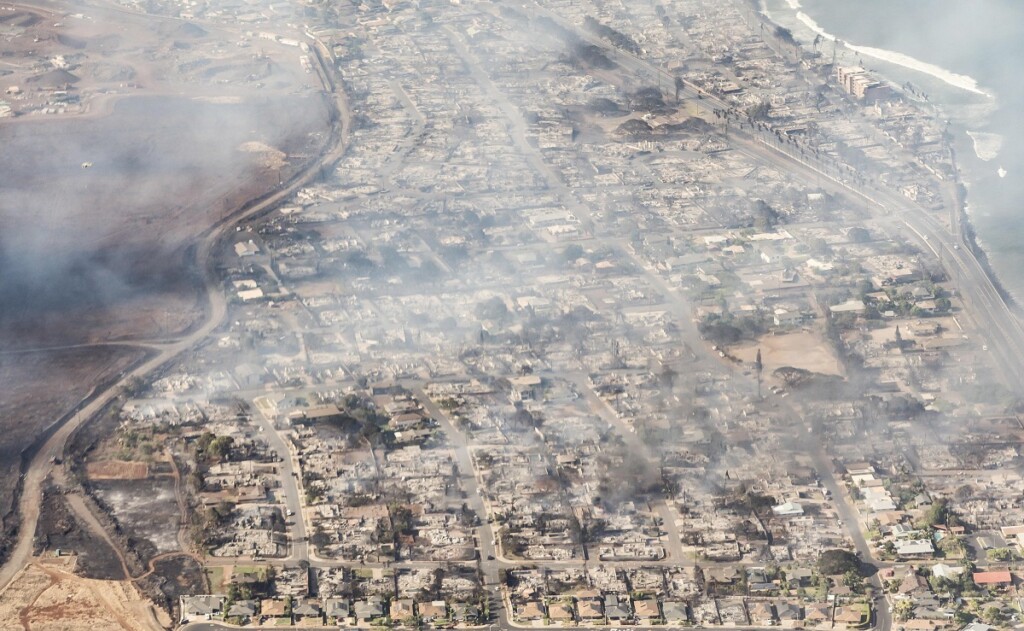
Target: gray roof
[(369, 608), (242, 608), (462, 611), (336, 607), (203, 605), (674, 610), (306, 608), (788, 611), (614, 608)]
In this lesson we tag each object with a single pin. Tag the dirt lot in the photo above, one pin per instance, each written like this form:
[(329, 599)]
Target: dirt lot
[(47, 596), (117, 470), (802, 349)]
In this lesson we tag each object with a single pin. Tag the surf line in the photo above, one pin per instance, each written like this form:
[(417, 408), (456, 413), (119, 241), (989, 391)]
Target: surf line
[(963, 82)]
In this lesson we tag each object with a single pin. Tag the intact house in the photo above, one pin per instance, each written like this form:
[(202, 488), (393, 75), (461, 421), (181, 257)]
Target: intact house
[(336, 609), (203, 607), (244, 609), (433, 610), (369, 609), (402, 609)]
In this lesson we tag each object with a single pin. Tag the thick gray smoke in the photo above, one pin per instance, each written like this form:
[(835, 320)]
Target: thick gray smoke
[(92, 212)]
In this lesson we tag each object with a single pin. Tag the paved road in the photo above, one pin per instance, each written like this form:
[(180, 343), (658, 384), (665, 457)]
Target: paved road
[(490, 563), (40, 466), (485, 534), (289, 485), (992, 314), (851, 520)]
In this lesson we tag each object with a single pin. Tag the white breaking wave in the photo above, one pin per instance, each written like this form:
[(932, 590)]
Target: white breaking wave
[(961, 81), (1001, 172), (793, 4), (986, 145)]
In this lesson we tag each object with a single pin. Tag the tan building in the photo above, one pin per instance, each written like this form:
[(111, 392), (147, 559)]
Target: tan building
[(861, 85), (646, 610)]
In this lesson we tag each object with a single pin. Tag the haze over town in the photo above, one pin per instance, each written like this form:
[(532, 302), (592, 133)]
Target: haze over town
[(479, 314)]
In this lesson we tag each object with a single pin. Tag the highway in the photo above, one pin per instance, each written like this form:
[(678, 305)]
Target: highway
[(977, 290), (216, 308), (1005, 335), (991, 312), (1005, 331), (982, 300)]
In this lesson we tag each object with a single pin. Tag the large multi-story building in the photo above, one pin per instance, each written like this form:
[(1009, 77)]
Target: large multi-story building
[(860, 84)]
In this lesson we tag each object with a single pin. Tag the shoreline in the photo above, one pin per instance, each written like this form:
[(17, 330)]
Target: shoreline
[(969, 236), (956, 80), (968, 232)]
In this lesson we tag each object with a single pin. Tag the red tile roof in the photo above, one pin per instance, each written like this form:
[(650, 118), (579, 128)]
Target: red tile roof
[(992, 578)]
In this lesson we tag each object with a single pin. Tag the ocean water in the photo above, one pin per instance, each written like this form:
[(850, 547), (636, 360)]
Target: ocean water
[(967, 56)]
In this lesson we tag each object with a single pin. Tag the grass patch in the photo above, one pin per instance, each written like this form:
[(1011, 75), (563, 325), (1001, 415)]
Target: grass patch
[(215, 577), (259, 572)]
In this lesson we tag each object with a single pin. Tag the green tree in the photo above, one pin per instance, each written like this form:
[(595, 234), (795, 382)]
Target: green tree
[(204, 440), (765, 217), (785, 35), (903, 609), (961, 617), (853, 580), (993, 615), (889, 550), (572, 252), (219, 448), (937, 513), (401, 519), (492, 309), (134, 386), (858, 235)]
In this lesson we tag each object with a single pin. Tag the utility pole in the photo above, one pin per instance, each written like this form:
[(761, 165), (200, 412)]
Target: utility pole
[(758, 366)]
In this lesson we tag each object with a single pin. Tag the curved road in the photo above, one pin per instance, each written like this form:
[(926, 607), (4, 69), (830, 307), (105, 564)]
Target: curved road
[(39, 468)]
